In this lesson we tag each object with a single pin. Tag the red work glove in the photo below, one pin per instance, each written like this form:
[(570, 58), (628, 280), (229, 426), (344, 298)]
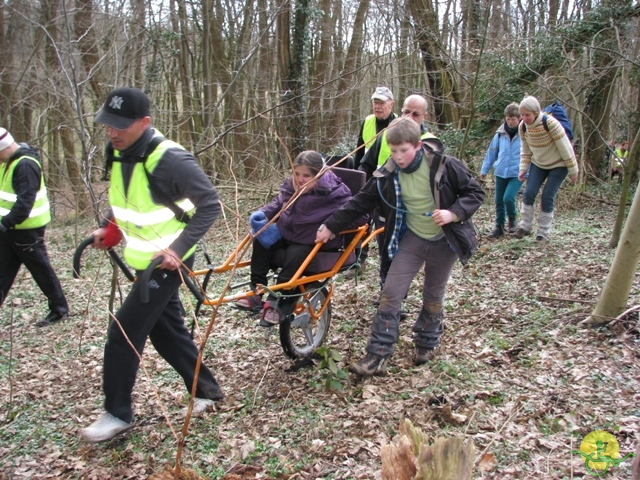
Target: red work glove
[(112, 236)]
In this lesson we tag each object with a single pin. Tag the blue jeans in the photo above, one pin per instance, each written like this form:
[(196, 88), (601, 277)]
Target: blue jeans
[(537, 176), (506, 191)]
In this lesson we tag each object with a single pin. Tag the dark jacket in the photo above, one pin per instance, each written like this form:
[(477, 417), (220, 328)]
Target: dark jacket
[(299, 223), (459, 192)]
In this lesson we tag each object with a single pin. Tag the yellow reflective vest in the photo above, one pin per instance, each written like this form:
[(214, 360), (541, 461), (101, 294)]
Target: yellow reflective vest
[(40, 213), (147, 226), (369, 134)]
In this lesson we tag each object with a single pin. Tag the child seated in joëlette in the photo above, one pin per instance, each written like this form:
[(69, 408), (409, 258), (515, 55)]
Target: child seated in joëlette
[(288, 242)]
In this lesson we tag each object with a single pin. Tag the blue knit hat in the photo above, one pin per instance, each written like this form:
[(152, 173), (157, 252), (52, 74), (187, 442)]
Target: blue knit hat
[(269, 236)]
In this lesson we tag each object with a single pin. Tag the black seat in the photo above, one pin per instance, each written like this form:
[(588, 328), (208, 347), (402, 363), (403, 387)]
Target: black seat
[(348, 162), (354, 179)]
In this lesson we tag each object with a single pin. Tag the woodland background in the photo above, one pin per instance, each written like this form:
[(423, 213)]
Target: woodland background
[(247, 84)]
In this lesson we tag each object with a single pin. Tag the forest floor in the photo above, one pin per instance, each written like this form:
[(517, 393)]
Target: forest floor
[(518, 374)]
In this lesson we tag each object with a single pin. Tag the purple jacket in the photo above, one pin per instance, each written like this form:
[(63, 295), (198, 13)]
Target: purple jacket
[(299, 223)]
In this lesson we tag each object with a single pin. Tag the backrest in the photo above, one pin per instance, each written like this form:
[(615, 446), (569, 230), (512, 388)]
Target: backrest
[(354, 179), (348, 162)]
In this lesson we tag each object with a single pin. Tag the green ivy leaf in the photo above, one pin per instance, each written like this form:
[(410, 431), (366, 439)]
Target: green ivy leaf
[(332, 366)]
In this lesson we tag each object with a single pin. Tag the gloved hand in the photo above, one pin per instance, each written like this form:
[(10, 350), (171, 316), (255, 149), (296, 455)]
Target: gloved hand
[(257, 220), (112, 236), (270, 236)]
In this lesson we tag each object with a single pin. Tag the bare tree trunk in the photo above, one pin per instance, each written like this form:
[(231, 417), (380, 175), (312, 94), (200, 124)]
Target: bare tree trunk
[(444, 90), (346, 80), (15, 46), (88, 45), (321, 64), (262, 82), (615, 293), (136, 45), (293, 76), (597, 109), (62, 114), (213, 72), (238, 144), (6, 63)]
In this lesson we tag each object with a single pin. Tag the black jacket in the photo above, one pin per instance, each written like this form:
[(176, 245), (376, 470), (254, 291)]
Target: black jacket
[(460, 193)]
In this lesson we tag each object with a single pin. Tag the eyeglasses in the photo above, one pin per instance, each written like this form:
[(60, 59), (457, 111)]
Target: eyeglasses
[(414, 114)]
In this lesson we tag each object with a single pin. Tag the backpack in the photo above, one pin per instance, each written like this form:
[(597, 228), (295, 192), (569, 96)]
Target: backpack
[(557, 111)]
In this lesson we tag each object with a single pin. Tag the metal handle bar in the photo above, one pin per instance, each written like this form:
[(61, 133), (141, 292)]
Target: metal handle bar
[(112, 253), (146, 276)]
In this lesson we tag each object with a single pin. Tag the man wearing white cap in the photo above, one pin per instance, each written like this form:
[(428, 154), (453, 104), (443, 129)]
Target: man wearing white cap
[(383, 102), (24, 215)]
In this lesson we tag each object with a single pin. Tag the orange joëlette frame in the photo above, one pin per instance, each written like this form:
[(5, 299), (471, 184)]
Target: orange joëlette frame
[(298, 280)]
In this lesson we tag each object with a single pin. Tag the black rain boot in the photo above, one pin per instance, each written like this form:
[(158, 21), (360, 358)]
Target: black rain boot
[(498, 232), (513, 225)]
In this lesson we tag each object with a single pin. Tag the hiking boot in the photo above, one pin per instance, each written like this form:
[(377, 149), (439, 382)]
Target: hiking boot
[(371, 364), (512, 225), (51, 318), (423, 355), (103, 429), (497, 232), (520, 233), (541, 239)]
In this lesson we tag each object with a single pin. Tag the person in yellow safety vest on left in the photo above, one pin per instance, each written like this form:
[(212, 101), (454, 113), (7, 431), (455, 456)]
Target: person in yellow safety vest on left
[(24, 215), (151, 228)]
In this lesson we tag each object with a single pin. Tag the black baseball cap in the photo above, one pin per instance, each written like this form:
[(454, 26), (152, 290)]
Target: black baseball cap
[(122, 107)]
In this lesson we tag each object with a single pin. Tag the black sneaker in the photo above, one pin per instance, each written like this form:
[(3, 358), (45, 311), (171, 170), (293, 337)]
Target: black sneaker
[(371, 364), (423, 355), (497, 232), (51, 318)]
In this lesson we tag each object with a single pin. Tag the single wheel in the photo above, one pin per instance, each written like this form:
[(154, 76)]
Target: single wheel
[(301, 336)]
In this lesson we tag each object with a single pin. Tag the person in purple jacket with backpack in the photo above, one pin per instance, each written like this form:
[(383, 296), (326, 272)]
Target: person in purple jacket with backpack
[(293, 236), (503, 156)]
